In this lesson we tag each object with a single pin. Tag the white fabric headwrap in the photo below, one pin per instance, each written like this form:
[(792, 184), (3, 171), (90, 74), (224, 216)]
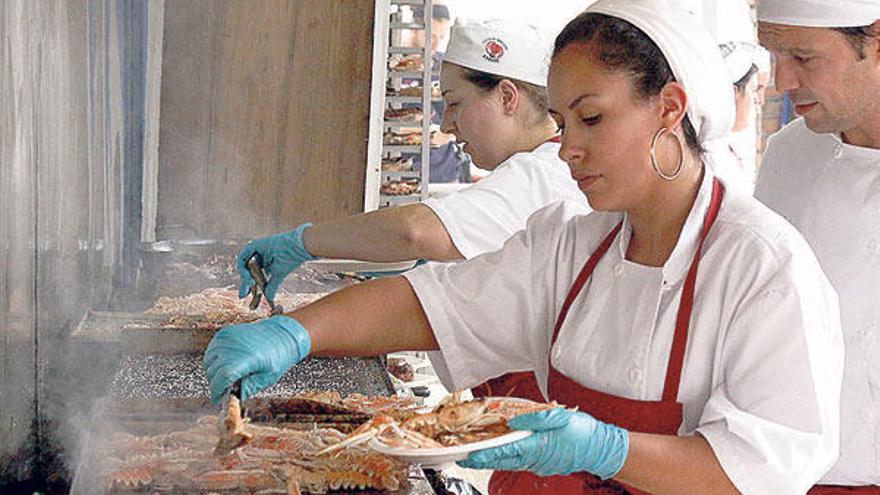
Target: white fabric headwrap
[(501, 47), (692, 54), (761, 58), (819, 13), (738, 59)]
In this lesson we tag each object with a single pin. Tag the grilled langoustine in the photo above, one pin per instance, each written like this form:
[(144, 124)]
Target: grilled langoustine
[(452, 422), (231, 427), (275, 460)]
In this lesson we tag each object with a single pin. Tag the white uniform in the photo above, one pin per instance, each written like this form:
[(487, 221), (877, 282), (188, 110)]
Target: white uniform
[(480, 218), (830, 191), (764, 358)]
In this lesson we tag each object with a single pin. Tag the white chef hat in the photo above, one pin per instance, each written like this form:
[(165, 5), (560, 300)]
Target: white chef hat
[(819, 13), (693, 57), (761, 58), (738, 59), (501, 47)]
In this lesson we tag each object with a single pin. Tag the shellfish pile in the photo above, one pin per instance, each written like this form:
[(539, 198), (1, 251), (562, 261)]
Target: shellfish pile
[(275, 460), (452, 422)]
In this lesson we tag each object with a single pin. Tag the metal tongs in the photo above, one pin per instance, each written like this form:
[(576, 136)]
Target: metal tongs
[(258, 290)]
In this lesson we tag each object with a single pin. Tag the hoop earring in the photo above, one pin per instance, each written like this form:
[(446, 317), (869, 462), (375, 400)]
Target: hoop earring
[(654, 158)]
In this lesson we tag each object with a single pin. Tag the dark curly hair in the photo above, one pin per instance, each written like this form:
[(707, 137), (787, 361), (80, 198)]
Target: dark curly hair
[(621, 46)]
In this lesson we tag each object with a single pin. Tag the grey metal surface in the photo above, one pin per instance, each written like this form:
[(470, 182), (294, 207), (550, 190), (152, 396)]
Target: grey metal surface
[(93, 457), (181, 376)]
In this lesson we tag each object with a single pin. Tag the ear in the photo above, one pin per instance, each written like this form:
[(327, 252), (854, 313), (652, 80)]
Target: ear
[(509, 96), (872, 45), (673, 103)]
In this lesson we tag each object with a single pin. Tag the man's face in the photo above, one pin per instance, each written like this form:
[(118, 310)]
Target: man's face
[(829, 83)]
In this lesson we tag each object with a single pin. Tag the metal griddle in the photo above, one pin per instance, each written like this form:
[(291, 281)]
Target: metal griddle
[(87, 480), (160, 385)]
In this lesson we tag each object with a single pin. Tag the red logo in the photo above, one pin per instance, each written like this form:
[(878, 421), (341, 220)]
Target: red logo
[(493, 49)]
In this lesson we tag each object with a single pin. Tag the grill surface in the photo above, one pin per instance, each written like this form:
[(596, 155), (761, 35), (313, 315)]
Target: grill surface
[(181, 376)]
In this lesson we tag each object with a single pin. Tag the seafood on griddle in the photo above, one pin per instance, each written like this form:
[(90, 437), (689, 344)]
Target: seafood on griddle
[(276, 460), (331, 402), (216, 307)]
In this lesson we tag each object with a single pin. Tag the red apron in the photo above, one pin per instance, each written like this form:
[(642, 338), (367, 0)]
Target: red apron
[(844, 490), (661, 417)]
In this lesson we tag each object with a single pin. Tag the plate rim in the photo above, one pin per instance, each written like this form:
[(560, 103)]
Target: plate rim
[(358, 266), (455, 450)]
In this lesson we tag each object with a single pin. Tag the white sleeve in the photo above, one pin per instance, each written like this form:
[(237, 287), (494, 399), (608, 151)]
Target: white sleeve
[(773, 417), (493, 314), (480, 218)]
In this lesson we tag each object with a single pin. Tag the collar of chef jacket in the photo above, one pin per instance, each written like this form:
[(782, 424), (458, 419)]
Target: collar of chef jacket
[(679, 262), (851, 152)]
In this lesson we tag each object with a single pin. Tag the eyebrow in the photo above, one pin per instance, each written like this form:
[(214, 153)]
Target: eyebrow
[(446, 92), (580, 98)]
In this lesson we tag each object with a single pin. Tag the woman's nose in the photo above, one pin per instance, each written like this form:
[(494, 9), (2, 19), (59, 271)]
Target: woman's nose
[(569, 151), (446, 124)]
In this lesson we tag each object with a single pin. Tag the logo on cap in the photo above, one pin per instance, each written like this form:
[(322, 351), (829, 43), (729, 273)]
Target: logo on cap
[(493, 49)]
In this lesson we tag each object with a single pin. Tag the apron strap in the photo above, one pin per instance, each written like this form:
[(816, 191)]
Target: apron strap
[(582, 278), (682, 323)]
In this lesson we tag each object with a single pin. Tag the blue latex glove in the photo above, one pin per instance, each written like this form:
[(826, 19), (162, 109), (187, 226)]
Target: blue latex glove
[(281, 254), (259, 353), (564, 442)]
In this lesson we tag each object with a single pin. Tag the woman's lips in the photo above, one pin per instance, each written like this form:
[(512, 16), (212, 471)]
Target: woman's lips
[(804, 108)]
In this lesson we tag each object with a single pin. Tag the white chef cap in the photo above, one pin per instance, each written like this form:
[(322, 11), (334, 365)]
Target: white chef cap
[(501, 47), (693, 57), (761, 58), (738, 59), (819, 13)]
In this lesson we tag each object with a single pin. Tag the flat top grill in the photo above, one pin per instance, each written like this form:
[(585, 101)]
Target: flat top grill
[(182, 376), (160, 384)]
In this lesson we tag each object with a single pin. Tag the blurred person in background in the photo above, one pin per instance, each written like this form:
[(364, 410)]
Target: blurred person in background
[(448, 161), (822, 173), (741, 62)]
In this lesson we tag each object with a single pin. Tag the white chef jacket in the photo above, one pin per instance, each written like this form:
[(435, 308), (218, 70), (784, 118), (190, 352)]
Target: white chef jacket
[(480, 218), (830, 191), (762, 370)]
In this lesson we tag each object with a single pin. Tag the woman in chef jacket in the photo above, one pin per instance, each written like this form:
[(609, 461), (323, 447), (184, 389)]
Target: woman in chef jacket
[(493, 82), (691, 327)]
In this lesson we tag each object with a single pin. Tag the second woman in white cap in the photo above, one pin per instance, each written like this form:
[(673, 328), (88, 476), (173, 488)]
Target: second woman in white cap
[(493, 82), (691, 327)]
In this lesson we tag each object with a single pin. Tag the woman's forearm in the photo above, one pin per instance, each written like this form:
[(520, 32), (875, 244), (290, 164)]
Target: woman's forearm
[(667, 465), (367, 319), (391, 234)]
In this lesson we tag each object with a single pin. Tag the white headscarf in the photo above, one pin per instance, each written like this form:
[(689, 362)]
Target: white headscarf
[(819, 13), (738, 59), (501, 47), (692, 54)]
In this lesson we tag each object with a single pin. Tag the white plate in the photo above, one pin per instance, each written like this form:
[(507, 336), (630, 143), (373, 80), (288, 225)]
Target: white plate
[(446, 455), (356, 266)]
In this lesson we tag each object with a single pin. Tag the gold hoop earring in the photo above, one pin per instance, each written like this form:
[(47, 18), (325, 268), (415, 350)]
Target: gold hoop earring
[(654, 158)]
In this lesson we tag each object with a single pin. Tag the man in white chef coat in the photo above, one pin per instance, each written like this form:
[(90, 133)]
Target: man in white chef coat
[(822, 172)]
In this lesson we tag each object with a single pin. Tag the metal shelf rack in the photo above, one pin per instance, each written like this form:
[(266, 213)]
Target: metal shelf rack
[(401, 19)]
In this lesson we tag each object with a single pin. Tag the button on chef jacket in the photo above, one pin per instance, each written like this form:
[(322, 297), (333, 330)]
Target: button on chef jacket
[(830, 191), (480, 218), (762, 369)]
